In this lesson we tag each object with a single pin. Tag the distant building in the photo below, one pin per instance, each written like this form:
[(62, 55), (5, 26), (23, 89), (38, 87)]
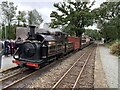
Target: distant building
[(23, 32)]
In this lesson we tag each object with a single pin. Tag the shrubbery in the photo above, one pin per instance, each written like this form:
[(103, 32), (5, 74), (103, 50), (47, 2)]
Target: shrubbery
[(115, 48)]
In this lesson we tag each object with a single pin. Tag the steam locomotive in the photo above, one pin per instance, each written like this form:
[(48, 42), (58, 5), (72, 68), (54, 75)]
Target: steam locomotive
[(41, 48)]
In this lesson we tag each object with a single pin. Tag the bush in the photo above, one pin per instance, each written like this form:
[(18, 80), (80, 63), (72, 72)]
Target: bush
[(110, 43), (115, 49)]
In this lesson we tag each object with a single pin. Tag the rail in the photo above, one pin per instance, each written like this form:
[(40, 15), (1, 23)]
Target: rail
[(59, 82)]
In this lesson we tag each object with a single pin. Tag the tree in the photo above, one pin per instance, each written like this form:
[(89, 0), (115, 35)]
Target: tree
[(74, 16), (93, 34), (8, 12), (111, 30), (21, 18), (34, 18), (0, 31), (108, 20)]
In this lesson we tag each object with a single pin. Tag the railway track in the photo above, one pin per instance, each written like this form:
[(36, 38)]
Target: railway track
[(15, 78), (8, 72), (11, 73), (71, 77)]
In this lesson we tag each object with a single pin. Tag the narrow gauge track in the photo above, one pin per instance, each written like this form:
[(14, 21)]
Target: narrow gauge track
[(11, 72), (15, 78), (73, 74), (8, 72)]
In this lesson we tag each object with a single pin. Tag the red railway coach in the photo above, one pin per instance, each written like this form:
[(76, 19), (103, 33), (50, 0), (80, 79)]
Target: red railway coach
[(75, 41)]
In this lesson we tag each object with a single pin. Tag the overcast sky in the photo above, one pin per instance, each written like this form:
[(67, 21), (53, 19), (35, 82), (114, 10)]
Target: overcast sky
[(44, 7)]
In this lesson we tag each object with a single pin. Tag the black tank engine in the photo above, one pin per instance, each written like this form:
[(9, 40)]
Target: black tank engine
[(40, 48)]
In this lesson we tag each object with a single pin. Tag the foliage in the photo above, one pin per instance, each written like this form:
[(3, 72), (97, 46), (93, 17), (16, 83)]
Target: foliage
[(8, 11), (21, 18), (115, 48), (108, 20), (74, 16), (34, 18), (111, 30), (0, 31), (8, 14), (11, 33), (93, 34)]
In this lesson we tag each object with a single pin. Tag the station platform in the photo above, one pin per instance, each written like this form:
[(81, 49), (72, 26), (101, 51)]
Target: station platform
[(6, 63), (110, 66), (106, 73)]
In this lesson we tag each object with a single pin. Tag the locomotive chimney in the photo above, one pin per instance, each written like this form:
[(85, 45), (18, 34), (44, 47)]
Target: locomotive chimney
[(32, 32)]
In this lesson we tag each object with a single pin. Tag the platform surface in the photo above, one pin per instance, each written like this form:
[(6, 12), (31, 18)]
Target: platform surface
[(6, 63), (110, 66)]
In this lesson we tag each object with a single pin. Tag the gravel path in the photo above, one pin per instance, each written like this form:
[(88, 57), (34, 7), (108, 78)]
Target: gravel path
[(110, 66)]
